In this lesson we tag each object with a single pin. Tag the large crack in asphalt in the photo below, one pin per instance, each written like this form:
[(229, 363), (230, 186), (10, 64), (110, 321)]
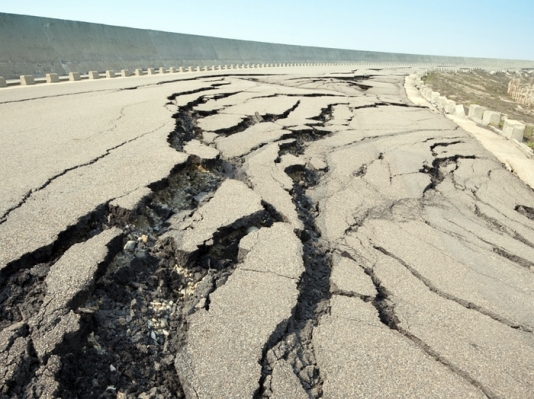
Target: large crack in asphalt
[(28, 195), (123, 344), (386, 312), (107, 152), (135, 278), (385, 307), (295, 344), (462, 302), (141, 309)]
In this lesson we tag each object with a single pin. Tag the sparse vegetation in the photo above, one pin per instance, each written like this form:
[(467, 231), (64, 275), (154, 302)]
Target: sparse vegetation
[(528, 136)]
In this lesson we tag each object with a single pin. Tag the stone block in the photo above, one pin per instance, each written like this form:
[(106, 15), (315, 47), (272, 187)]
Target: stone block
[(93, 75), (162, 70), (181, 70), (74, 76), (460, 110), (139, 72), (27, 80), (441, 103), (151, 71), (52, 78), (450, 107), (492, 118), (476, 112), (3, 82), (513, 130), (172, 70), (125, 73), (197, 69), (110, 73)]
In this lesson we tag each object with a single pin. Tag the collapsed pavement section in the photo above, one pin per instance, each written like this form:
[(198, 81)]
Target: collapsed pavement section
[(268, 237)]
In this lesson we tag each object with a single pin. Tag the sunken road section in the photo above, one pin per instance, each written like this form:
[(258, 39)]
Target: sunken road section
[(267, 236)]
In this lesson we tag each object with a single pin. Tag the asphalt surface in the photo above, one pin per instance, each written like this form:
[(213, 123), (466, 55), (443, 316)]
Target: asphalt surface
[(283, 233)]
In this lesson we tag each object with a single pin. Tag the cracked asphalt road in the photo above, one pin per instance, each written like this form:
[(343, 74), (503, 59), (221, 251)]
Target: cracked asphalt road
[(299, 233)]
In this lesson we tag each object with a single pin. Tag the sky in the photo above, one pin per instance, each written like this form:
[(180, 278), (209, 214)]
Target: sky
[(470, 28)]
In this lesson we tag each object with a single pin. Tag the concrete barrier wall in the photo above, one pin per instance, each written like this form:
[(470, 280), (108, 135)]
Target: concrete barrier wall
[(38, 45)]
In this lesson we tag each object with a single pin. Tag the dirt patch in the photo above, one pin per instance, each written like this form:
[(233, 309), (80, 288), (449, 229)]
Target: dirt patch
[(486, 89), (482, 88)]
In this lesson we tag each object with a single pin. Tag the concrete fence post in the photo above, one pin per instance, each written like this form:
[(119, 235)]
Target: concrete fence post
[(476, 112), (139, 72), (450, 107), (460, 110), (125, 73), (441, 103), (93, 75), (3, 82), (110, 73), (513, 130), (172, 70), (74, 76), (27, 80), (162, 70), (151, 71), (181, 70), (492, 118), (52, 78)]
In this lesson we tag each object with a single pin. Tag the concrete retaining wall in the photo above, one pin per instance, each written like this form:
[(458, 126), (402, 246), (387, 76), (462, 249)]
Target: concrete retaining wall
[(37, 46)]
